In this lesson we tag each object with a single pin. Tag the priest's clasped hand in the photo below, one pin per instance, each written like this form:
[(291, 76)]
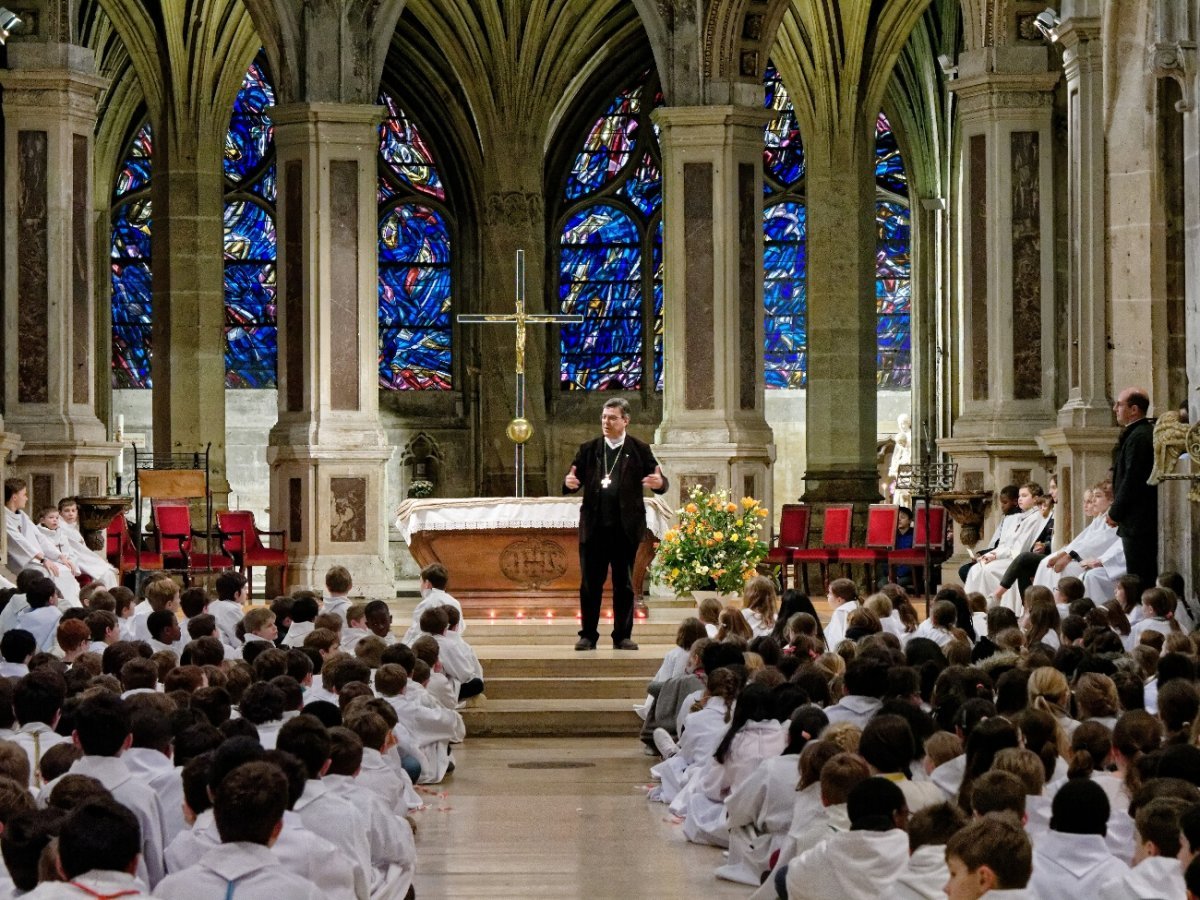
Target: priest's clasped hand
[(654, 480)]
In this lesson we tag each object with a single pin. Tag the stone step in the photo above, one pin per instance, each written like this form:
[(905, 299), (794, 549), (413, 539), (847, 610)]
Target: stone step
[(542, 718), (631, 688), (565, 662), (481, 633)]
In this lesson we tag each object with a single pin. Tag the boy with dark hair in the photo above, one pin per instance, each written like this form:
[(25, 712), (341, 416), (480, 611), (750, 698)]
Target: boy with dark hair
[(1072, 859), (991, 855), (42, 616), (150, 756), (1156, 871), (102, 731), (16, 647), (440, 687), (262, 705), (304, 611), (37, 702), (356, 627), (434, 579), (194, 602), (248, 807), (928, 831), (98, 848), (26, 835), (165, 633), (162, 595), (320, 809), (139, 676), (459, 661), (379, 621), (232, 593)]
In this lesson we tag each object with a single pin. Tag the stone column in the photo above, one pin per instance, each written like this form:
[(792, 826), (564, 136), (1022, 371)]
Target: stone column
[(1083, 438), (188, 334), (714, 432), (1005, 237), (49, 291), (841, 399), (328, 452)]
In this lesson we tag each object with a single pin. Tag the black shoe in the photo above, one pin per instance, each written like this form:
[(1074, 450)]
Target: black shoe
[(585, 644), (626, 644)]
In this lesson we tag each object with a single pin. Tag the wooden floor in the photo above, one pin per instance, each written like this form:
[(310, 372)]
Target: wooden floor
[(556, 818)]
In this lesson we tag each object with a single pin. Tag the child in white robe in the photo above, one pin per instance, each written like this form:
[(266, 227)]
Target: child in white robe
[(1072, 859), (459, 661), (441, 686), (434, 727), (701, 733), (27, 547), (925, 874), (248, 807), (338, 584), (759, 810), (843, 597), (82, 560), (434, 579), (92, 562), (984, 577), (989, 857), (753, 736), (42, 617), (760, 605), (1156, 868), (98, 854), (356, 627)]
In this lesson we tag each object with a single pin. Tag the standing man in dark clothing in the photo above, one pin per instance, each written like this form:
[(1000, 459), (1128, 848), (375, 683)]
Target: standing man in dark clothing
[(1134, 509), (612, 470)]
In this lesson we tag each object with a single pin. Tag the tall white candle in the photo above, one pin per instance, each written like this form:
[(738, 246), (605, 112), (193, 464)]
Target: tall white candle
[(120, 434)]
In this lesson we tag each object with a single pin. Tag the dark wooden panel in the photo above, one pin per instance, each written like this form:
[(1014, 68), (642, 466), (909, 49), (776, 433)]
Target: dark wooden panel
[(978, 265), (343, 284), (81, 313), (749, 275), (295, 511), (33, 287), (699, 390), (1026, 266), (293, 300)]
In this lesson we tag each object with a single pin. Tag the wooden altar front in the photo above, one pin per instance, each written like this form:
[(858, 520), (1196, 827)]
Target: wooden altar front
[(508, 555)]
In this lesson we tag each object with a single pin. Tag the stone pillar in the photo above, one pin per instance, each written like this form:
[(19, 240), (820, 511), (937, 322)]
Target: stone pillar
[(49, 281), (841, 401), (328, 452), (1084, 435), (714, 432), (188, 334), (1005, 237)]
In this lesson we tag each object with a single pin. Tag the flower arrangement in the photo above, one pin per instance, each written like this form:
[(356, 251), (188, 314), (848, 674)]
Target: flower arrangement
[(715, 545)]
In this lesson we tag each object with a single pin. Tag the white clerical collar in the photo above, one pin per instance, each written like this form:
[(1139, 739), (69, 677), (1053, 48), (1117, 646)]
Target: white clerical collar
[(615, 445)]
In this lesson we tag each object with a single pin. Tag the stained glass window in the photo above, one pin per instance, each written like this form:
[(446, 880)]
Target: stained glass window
[(251, 332), (415, 282), (785, 254), (129, 252), (610, 250)]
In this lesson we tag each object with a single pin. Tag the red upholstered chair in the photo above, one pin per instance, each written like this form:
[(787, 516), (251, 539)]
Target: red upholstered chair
[(793, 536), (835, 535), (915, 557), (121, 551), (881, 538), (241, 540), (176, 540)]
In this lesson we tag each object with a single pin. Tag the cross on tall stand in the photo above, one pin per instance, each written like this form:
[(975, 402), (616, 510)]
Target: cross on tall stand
[(519, 430)]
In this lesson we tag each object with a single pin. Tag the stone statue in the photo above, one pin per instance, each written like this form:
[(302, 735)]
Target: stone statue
[(901, 456)]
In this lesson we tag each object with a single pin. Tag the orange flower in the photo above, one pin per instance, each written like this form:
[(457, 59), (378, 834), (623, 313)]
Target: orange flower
[(692, 508)]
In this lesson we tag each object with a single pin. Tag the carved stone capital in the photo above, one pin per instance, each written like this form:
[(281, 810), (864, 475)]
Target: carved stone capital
[(1177, 60), (515, 207)]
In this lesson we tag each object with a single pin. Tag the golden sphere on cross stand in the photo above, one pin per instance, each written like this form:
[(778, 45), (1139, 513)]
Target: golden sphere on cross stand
[(519, 431)]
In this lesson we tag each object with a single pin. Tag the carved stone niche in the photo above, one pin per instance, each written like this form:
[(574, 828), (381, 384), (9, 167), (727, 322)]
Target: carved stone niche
[(968, 509), (421, 461), (1177, 60)]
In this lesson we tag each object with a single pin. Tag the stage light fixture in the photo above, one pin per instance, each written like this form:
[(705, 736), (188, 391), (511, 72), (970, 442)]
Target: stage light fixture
[(1047, 23)]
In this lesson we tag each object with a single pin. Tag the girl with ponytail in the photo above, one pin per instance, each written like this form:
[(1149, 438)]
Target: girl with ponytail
[(1158, 608), (1049, 692), (700, 735), (987, 739), (1136, 734), (1042, 734)]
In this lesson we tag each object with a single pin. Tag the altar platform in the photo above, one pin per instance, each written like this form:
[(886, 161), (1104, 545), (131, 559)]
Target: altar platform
[(509, 555)]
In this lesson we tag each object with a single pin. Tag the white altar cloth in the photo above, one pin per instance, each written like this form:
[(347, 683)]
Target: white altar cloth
[(486, 513)]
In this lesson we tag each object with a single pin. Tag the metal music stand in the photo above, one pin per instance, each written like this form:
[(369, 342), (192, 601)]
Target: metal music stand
[(924, 480)]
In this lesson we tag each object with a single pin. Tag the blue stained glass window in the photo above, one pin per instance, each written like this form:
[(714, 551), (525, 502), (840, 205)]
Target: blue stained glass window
[(415, 276), (129, 252), (610, 250), (251, 332), (785, 260)]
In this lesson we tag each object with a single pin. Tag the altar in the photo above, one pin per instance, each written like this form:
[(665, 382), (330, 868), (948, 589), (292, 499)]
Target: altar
[(515, 554)]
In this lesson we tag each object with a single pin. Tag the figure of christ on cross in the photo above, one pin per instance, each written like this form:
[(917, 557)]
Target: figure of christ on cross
[(518, 429)]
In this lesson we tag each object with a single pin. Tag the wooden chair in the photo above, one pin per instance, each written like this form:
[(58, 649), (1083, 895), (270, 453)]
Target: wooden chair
[(793, 536), (881, 539), (122, 553), (176, 539), (915, 557), (240, 540), (835, 535)]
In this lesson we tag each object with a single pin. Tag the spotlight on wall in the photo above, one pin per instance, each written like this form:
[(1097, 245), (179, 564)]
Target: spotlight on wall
[(1047, 22), (9, 22), (949, 69)]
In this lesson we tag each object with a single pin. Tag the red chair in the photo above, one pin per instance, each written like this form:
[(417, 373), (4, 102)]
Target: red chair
[(240, 539), (881, 539), (176, 540), (793, 536), (121, 550), (915, 557), (835, 535)]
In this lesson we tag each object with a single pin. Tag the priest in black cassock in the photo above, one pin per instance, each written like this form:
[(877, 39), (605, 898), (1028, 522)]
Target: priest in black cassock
[(613, 470)]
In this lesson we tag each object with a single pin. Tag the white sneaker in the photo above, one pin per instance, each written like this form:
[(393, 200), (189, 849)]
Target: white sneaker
[(665, 743)]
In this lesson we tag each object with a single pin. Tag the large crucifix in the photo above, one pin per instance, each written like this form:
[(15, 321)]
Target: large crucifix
[(519, 430)]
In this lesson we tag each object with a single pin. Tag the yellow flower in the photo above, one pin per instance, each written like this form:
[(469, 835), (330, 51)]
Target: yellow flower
[(761, 513), (747, 575), (733, 538), (752, 540), (674, 573), (740, 522), (671, 536)]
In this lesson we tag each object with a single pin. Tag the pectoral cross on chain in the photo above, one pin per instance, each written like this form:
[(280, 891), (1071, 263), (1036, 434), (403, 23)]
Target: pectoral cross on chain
[(519, 430)]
